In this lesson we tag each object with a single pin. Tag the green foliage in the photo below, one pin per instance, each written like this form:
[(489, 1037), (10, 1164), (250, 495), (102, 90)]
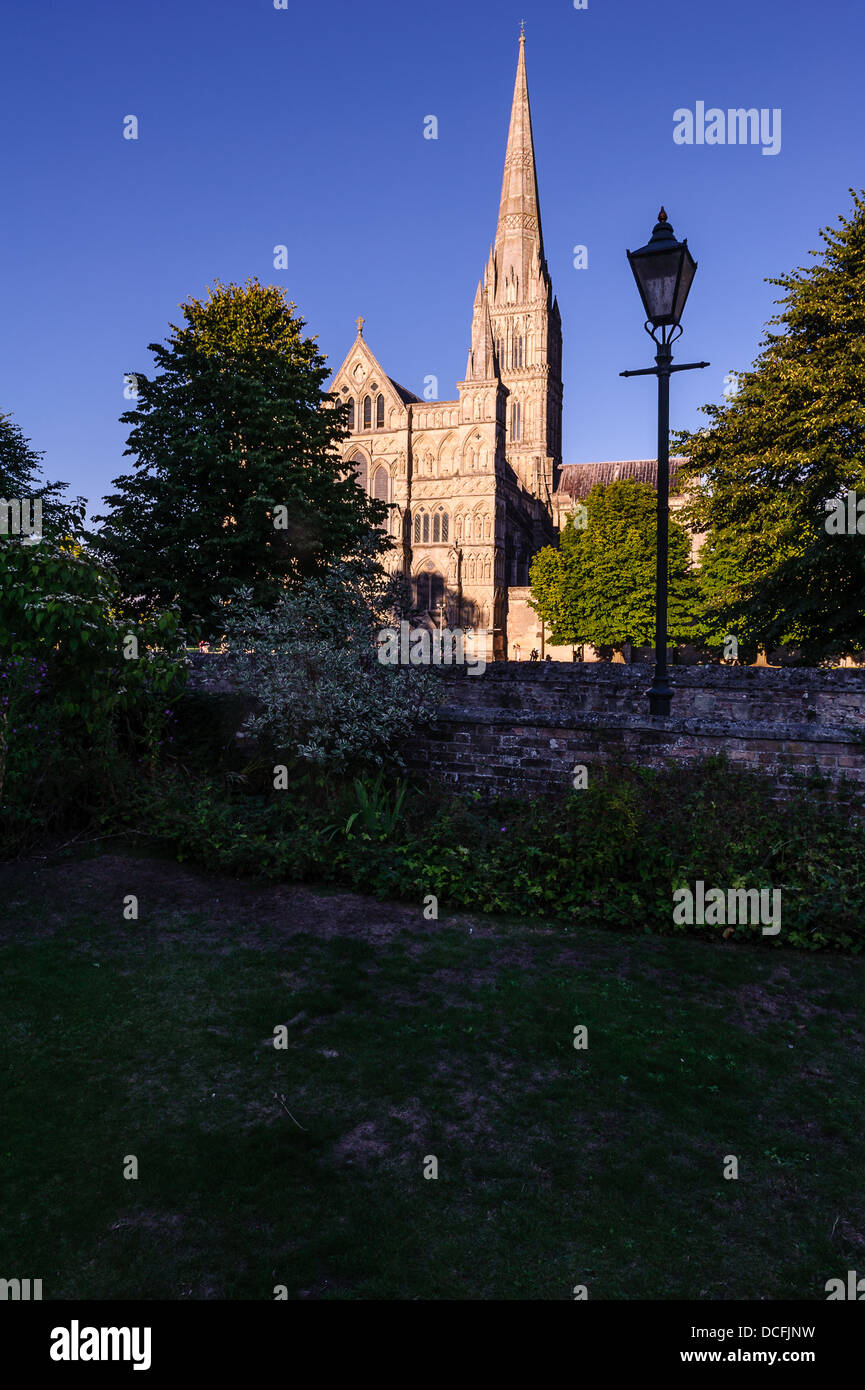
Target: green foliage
[(71, 699), (789, 442), (311, 667), (598, 585), (20, 466), (609, 855), (234, 426), (378, 809)]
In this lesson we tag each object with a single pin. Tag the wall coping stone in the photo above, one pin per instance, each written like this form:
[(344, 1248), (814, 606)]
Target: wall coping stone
[(716, 728)]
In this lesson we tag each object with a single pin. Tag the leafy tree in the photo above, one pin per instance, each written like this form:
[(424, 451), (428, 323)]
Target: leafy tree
[(20, 467), (236, 481), (76, 676), (598, 586), (776, 455)]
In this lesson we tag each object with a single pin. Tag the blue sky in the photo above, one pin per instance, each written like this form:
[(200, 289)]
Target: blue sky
[(304, 127)]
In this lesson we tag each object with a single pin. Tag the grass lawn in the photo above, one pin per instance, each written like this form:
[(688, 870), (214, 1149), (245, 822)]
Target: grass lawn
[(409, 1038)]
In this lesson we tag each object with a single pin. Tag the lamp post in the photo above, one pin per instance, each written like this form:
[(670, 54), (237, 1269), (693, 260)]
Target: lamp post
[(664, 270)]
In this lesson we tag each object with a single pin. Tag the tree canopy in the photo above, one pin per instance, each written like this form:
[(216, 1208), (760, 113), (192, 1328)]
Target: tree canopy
[(782, 449), (237, 480), (598, 584), (20, 470)]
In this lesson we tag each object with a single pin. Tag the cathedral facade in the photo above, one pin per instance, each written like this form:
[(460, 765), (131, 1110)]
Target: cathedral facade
[(472, 482)]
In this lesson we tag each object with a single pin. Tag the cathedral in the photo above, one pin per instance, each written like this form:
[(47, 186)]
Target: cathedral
[(476, 485)]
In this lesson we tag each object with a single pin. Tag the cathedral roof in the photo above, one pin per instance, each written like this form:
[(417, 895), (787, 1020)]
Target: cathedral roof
[(576, 480), (407, 397)]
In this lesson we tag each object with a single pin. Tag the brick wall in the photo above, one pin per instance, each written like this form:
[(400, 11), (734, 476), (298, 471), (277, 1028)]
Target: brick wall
[(523, 728)]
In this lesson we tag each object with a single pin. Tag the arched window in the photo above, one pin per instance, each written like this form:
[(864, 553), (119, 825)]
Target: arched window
[(379, 413), (429, 591), (417, 524), (367, 413), (426, 526), (381, 485), (437, 526), (359, 466), (444, 526), (517, 356), (516, 421), (351, 413)]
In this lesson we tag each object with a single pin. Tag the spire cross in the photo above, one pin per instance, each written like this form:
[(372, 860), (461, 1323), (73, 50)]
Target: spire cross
[(360, 323), (522, 29)]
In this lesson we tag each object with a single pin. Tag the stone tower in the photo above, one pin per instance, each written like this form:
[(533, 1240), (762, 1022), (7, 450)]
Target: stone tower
[(471, 481), (516, 297)]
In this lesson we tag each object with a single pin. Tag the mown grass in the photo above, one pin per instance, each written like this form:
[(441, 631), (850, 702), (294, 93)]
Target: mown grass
[(407, 1038)]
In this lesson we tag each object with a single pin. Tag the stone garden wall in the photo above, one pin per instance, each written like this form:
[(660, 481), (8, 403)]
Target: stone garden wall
[(522, 727)]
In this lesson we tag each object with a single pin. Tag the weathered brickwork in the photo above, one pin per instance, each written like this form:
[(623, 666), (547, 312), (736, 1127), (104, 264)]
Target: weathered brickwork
[(524, 727)]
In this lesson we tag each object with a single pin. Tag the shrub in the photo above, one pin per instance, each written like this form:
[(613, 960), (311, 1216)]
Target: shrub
[(311, 666)]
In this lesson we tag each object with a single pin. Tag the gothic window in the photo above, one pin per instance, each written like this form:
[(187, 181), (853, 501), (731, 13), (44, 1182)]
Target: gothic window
[(359, 466), (381, 485), (367, 413), (351, 413), (426, 527), (445, 526), (379, 413), (516, 421), (518, 352), (417, 526), (429, 591)]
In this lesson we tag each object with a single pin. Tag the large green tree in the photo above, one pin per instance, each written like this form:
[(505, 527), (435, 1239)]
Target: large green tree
[(20, 470), (237, 478), (598, 585), (789, 442)]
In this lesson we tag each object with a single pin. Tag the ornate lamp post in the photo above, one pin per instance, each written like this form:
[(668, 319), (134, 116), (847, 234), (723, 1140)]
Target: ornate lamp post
[(664, 270)]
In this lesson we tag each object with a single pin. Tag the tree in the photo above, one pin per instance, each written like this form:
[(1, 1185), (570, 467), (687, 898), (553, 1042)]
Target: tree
[(598, 586), (788, 444), (20, 467), (77, 677), (237, 480)]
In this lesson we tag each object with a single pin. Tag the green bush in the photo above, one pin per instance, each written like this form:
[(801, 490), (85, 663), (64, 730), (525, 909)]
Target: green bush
[(611, 854)]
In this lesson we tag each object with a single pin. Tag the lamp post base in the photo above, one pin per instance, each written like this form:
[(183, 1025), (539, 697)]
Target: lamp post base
[(660, 695)]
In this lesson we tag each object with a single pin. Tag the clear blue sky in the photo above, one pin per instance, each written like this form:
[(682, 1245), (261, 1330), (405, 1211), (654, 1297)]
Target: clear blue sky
[(304, 126)]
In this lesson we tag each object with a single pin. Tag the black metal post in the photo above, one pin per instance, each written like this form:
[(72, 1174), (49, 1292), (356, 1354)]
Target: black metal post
[(661, 691)]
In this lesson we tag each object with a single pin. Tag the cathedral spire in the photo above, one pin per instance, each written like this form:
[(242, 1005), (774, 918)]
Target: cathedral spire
[(518, 233)]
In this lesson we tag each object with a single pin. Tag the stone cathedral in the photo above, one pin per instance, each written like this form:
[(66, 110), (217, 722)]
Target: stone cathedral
[(473, 480)]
